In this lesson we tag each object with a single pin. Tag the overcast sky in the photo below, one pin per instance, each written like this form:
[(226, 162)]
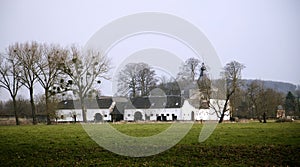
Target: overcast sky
[(264, 35)]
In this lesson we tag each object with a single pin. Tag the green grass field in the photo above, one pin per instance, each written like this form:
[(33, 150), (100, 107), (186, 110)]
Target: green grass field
[(231, 144)]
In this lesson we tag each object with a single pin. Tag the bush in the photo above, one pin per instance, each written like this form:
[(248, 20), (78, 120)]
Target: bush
[(284, 120), (234, 119)]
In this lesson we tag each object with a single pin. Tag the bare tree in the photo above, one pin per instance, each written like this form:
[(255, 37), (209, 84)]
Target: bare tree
[(42, 108), (233, 78), (263, 101), (128, 81), (270, 100), (85, 69), (189, 70), (135, 78), (169, 86), (253, 92), (49, 70), (215, 90), (146, 79), (22, 107), (27, 55), (193, 75), (9, 80)]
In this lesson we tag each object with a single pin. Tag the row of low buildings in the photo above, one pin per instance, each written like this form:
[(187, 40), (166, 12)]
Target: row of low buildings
[(167, 108)]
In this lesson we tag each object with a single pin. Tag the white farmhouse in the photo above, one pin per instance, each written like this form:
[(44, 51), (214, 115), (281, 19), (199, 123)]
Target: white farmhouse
[(173, 108), (153, 109), (168, 108), (96, 111)]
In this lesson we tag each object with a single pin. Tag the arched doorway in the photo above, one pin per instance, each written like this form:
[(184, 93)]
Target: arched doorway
[(193, 116), (98, 117), (138, 116)]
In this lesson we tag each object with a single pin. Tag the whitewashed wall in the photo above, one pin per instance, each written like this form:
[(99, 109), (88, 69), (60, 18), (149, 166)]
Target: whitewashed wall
[(153, 113), (184, 113), (90, 114), (217, 105)]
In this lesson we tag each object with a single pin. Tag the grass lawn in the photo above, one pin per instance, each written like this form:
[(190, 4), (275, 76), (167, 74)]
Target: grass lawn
[(231, 144)]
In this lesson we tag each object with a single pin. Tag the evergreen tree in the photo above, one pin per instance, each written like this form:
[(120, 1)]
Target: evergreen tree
[(290, 103)]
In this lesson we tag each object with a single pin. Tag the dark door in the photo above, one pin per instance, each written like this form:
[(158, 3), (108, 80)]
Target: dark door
[(192, 116), (98, 117), (138, 116)]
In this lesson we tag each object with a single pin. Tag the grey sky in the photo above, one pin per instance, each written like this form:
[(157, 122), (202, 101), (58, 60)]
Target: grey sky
[(262, 34)]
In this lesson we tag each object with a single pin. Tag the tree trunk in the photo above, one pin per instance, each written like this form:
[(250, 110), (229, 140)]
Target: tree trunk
[(74, 116), (259, 119), (83, 111), (221, 118), (223, 111), (48, 113), (47, 108), (15, 110), (133, 92), (225, 108), (32, 106), (265, 117)]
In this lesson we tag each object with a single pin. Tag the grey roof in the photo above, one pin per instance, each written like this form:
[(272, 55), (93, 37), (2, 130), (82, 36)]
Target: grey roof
[(138, 102), (155, 102), (102, 103)]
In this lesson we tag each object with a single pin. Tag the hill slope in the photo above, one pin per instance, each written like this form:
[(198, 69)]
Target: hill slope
[(281, 87)]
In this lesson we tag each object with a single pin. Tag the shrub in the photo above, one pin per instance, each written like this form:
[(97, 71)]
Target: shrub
[(284, 120)]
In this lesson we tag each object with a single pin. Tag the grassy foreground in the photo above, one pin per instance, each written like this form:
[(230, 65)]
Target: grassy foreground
[(239, 144)]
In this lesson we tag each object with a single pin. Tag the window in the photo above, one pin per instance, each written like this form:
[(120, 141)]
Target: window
[(168, 114), (151, 115), (128, 115), (105, 115)]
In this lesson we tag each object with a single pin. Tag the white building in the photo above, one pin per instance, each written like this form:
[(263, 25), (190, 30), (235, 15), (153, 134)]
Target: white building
[(153, 109), (170, 108), (174, 109), (97, 110)]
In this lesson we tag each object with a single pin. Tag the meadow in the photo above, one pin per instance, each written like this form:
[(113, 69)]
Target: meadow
[(231, 144)]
